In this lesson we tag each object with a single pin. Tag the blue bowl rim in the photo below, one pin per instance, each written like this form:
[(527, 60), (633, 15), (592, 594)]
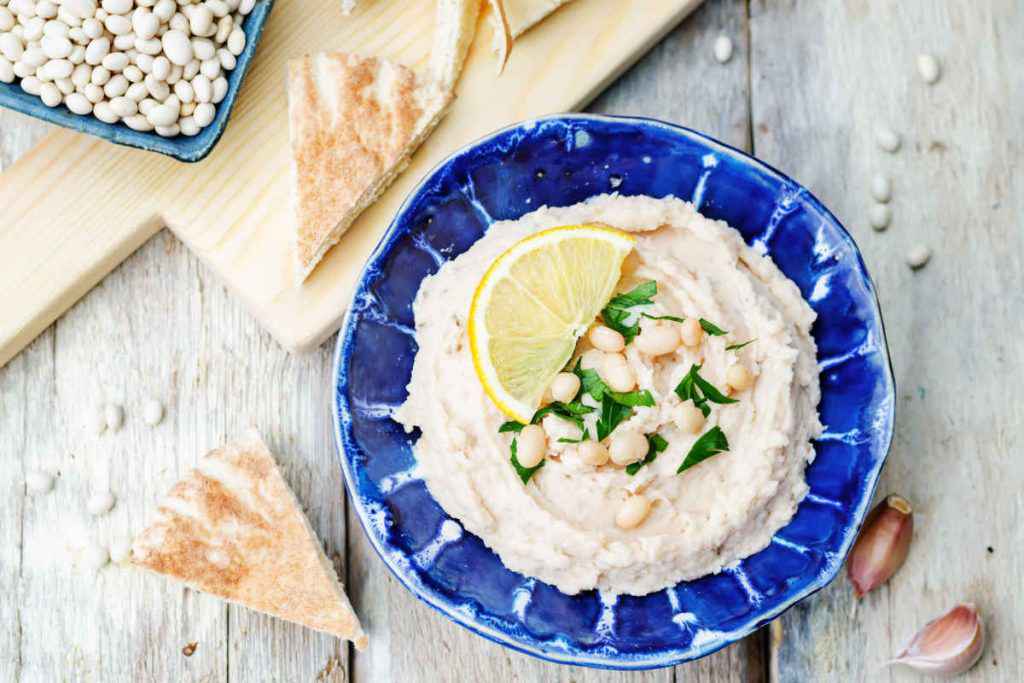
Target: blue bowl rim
[(119, 134), (643, 662)]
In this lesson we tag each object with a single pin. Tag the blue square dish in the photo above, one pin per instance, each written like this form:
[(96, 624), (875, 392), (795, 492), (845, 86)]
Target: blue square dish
[(181, 147), (581, 156)]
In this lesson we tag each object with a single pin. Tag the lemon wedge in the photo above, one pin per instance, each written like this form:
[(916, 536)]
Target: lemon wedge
[(534, 303)]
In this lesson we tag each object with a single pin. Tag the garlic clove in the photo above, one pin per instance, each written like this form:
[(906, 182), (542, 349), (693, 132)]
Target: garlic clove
[(882, 546), (949, 645)]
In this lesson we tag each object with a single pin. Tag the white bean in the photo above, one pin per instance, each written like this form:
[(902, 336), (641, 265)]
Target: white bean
[(190, 70), (210, 68), (881, 188), (690, 332), (124, 42), (245, 7), (565, 387), (887, 139), (116, 86), (739, 377), (593, 453), (80, 8), (187, 109), (929, 68), (46, 9), (157, 88), (11, 47), (133, 73), (162, 115), (78, 37), (917, 257), (688, 417), (144, 62), (203, 49), (632, 512), (103, 112), (218, 7), (606, 339), (202, 88), (65, 86), (58, 68), (56, 47), (179, 22), (118, 24), (170, 131), (657, 340), (146, 105), (6, 71), (34, 56), (117, 6), (224, 28), (616, 373), (236, 41), (100, 75), (93, 93), (31, 85), (69, 17), (97, 50), (220, 89), (6, 19), (175, 74), (137, 92), (23, 70), (161, 68), (77, 55), (115, 61), (124, 106), (33, 30), (164, 10), (200, 19), (92, 28), (627, 446), (183, 89), (531, 444), (880, 215), (151, 46), (100, 503), (139, 123), (49, 94), (723, 49), (78, 104), (177, 47), (55, 29), (227, 60), (81, 75), (204, 114), (145, 24)]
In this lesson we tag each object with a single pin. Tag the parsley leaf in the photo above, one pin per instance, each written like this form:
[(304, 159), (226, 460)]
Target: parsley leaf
[(511, 426), (616, 312), (612, 413), (591, 383), (737, 347), (673, 318), (695, 388), (712, 442), (584, 437), (655, 444), (524, 472), (712, 329)]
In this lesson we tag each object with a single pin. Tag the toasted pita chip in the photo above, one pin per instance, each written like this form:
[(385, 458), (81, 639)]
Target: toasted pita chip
[(454, 29), (232, 528), (502, 32), (353, 122)]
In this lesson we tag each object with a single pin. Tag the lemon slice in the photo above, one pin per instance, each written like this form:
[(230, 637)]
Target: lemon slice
[(534, 303)]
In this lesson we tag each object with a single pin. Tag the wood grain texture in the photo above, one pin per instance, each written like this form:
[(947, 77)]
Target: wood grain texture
[(76, 206), (824, 75)]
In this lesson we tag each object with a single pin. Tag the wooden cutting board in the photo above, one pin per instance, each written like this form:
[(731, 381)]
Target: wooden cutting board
[(75, 207)]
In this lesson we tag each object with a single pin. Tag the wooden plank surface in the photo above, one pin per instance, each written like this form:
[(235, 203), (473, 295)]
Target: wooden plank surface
[(76, 206), (820, 78), (954, 327)]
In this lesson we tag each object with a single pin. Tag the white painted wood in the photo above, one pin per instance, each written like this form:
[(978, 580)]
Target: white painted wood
[(824, 75), (233, 209)]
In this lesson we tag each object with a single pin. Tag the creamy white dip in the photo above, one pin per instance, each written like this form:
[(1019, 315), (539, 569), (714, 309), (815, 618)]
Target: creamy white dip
[(560, 527)]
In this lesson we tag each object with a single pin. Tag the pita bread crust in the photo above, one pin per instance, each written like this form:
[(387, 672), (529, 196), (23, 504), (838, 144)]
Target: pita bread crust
[(234, 529), (354, 122)]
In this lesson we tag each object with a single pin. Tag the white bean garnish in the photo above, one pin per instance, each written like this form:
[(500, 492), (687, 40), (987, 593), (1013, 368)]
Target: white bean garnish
[(690, 332), (929, 68), (531, 444), (918, 256), (606, 339), (688, 417), (593, 453), (881, 188), (152, 412), (632, 512), (739, 377), (565, 386), (616, 373), (880, 215), (627, 446), (887, 139), (657, 340), (723, 49), (100, 503)]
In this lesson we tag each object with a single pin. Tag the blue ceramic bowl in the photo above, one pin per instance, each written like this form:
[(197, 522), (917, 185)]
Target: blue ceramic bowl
[(559, 161), (182, 148)]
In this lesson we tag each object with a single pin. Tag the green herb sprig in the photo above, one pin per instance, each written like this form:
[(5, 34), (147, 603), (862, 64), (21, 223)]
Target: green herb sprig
[(712, 442), (695, 388), (712, 329), (616, 312), (737, 347)]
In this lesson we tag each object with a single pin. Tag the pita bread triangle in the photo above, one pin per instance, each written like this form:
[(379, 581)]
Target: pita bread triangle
[(354, 122), (234, 529)]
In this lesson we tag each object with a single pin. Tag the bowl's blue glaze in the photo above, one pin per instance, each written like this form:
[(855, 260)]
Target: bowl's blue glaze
[(560, 161), (181, 147)]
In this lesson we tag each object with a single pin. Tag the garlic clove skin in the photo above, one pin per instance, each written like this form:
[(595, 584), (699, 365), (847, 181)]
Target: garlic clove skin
[(882, 546), (949, 645)]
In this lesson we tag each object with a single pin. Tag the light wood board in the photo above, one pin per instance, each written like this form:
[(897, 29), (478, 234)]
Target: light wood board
[(75, 207)]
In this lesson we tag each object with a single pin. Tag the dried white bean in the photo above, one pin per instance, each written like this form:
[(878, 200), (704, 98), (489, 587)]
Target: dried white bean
[(189, 71), (179, 22), (22, 70), (49, 94), (929, 68), (31, 85), (175, 74), (65, 86), (880, 215), (218, 7), (124, 106), (6, 19), (210, 68), (177, 47), (144, 62), (227, 60), (117, 6), (145, 24), (77, 55), (918, 256), (162, 115), (78, 37), (157, 88), (203, 49), (97, 50), (151, 46), (146, 105), (183, 89), (69, 17), (220, 89), (236, 41), (6, 71), (139, 123), (187, 108), (245, 7), (93, 93), (723, 49), (115, 61), (33, 30), (118, 24), (80, 8), (56, 47), (92, 28), (202, 88), (887, 139), (81, 75), (11, 47), (204, 114), (161, 68), (58, 68), (133, 73), (188, 126), (100, 75), (168, 131), (78, 104), (137, 92), (46, 9), (55, 29), (124, 42), (200, 19), (103, 112), (224, 28), (116, 86), (34, 56)]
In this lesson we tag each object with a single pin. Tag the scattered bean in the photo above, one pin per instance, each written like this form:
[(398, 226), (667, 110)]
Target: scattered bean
[(627, 446), (881, 188), (531, 444), (606, 339), (928, 67), (565, 386), (918, 256), (880, 215), (632, 512), (887, 139), (593, 453), (723, 49)]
